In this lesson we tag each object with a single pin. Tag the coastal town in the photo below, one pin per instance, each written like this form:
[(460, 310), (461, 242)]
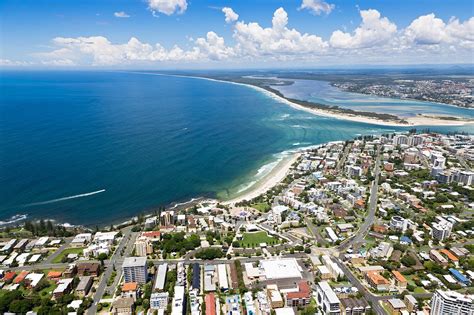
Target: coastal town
[(379, 224), (448, 91)]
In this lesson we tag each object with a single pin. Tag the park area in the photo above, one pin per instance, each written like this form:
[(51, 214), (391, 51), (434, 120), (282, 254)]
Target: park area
[(254, 239)]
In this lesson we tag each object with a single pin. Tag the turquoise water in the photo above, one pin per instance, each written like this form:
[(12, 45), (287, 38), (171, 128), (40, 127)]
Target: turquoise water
[(99, 147), (323, 92)]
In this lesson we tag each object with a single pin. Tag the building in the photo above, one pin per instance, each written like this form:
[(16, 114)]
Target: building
[(400, 280), (441, 230), (160, 277), (438, 258), (411, 302), (451, 302), (159, 300), (300, 298), (130, 290), (353, 306), (459, 276), (274, 296), (398, 223), (222, 274), (135, 269), (64, 287), (88, 269), (377, 281), (327, 299), (143, 247), (196, 281), (284, 268), (84, 285), (179, 301), (123, 306), (396, 306), (210, 304)]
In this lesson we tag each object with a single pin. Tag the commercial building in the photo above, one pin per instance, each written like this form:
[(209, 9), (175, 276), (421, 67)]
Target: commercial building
[(451, 302), (327, 299), (284, 268), (135, 270)]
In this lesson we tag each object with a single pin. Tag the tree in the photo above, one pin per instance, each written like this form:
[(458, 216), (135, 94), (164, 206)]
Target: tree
[(102, 257)]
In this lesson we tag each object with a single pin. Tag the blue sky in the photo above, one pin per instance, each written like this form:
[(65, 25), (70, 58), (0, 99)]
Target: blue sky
[(119, 33)]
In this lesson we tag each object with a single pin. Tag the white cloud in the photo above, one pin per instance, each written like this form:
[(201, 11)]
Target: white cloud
[(430, 30), (13, 63), (230, 15), (317, 6), (276, 41), (374, 30), (168, 7), (121, 14), (375, 40)]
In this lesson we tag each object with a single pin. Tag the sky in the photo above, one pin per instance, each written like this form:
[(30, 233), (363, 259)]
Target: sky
[(171, 34)]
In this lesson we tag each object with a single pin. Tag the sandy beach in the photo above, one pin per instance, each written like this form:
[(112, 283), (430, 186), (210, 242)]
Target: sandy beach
[(412, 121), (276, 175), (419, 120)]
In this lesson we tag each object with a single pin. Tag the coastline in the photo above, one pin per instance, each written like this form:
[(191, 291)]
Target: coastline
[(419, 120), (273, 178)]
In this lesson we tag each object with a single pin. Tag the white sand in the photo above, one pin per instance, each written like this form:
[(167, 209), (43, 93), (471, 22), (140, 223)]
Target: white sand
[(276, 175)]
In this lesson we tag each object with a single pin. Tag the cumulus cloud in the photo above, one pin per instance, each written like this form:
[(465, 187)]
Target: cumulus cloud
[(121, 14), (430, 30), (102, 52), (230, 15), (375, 40), (168, 7), (374, 30), (276, 41), (317, 6)]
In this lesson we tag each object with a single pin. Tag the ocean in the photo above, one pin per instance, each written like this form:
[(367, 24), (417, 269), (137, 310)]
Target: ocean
[(96, 148)]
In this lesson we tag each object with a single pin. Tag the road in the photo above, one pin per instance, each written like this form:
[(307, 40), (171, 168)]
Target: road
[(50, 259), (126, 242), (314, 231), (369, 220)]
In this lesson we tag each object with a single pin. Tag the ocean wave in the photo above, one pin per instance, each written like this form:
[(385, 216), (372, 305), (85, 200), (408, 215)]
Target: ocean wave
[(13, 219), (184, 203), (65, 198)]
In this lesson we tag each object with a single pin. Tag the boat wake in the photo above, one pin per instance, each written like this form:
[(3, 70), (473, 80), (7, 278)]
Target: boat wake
[(65, 198)]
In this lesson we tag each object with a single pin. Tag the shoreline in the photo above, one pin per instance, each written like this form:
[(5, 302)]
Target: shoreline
[(273, 178), (418, 120)]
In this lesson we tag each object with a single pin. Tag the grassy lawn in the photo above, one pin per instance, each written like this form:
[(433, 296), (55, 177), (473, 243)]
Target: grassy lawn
[(419, 290), (66, 252), (255, 238), (262, 206), (48, 290)]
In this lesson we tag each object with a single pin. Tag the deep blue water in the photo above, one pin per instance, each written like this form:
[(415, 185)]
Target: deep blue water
[(139, 141), (324, 93)]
